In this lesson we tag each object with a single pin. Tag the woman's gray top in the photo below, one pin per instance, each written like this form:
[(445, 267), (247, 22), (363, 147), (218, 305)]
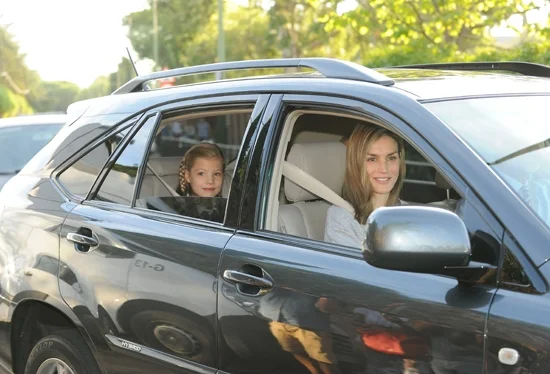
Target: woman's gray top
[(341, 227)]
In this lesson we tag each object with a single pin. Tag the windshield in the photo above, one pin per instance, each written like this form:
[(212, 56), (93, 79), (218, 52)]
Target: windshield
[(18, 144), (512, 135)]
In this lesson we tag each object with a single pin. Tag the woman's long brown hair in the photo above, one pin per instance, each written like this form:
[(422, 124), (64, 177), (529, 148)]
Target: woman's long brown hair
[(357, 189)]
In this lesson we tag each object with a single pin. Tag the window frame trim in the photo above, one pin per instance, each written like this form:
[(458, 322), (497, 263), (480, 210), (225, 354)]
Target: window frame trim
[(92, 145), (188, 106), (108, 166), (368, 111)]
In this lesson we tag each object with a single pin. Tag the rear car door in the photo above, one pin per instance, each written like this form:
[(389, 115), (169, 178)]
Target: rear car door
[(139, 262), (293, 304)]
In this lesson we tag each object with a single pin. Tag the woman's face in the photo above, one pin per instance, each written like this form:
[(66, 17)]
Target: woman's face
[(383, 165)]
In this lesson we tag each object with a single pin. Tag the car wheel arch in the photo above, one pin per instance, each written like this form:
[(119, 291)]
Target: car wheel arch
[(35, 318)]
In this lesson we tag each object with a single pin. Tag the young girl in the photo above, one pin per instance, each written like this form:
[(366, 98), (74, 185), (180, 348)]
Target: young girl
[(375, 169), (201, 171)]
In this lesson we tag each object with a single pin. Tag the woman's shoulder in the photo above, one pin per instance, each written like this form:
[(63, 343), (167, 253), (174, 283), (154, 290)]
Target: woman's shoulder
[(338, 213)]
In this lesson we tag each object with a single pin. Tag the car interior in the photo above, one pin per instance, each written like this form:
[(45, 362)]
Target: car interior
[(176, 134), (310, 177), (307, 179)]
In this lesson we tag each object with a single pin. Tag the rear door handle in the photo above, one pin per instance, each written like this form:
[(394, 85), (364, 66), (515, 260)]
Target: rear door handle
[(81, 239), (83, 243), (247, 279)]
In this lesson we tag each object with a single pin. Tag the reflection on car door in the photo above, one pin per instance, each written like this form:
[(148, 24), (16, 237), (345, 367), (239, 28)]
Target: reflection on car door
[(143, 283), (293, 305), (148, 288), (353, 313)]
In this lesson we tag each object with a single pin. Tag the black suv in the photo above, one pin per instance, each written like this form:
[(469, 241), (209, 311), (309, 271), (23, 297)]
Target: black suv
[(105, 268)]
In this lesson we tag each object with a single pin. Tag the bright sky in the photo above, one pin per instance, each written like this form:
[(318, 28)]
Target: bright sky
[(79, 40), (72, 40)]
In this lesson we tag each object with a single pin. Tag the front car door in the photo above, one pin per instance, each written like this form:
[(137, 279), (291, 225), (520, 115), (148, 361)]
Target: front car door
[(139, 261), (293, 304)]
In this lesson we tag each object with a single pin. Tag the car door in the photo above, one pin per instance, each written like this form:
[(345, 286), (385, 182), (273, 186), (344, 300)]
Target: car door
[(139, 268), (345, 315), (518, 329)]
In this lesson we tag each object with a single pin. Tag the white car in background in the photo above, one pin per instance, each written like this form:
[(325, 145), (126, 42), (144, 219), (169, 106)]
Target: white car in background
[(22, 137)]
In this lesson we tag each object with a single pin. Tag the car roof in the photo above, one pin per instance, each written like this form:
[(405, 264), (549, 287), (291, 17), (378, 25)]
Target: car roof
[(36, 119), (419, 83), (427, 84)]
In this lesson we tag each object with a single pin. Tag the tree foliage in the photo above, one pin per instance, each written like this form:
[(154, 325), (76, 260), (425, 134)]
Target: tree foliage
[(376, 32), (179, 21), (54, 96), (16, 80)]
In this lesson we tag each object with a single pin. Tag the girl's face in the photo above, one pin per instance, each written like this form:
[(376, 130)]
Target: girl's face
[(205, 177), (383, 165)]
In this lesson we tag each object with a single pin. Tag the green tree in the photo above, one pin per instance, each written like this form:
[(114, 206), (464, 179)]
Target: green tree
[(53, 96), (306, 28), (105, 85), (375, 33), (100, 87), (428, 30), (179, 22), (12, 104), (16, 80), (124, 73), (251, 42)]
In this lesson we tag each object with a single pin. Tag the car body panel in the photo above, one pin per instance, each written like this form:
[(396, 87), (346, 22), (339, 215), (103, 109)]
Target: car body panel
[(304, 271), (148, 291), (134, 280), (429, 84), (156, 270), (432, 311), (518, 322), (27, 235)]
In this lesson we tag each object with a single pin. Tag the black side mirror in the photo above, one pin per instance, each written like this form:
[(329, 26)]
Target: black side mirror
[(416, 239)]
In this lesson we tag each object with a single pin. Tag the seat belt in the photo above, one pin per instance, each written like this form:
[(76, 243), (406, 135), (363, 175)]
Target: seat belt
[(313, 185), (166, 185)]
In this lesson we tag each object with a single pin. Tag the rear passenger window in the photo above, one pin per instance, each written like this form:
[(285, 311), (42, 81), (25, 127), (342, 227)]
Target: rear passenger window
[(218, 133), (118, 185), (80, 176)]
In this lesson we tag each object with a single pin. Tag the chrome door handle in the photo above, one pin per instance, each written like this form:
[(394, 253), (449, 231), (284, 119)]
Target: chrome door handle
[(81, 239), (244, 278)]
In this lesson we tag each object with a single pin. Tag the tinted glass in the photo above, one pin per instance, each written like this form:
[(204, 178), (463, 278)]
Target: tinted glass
[(160, 189), (512, 272), (80, 176), (511, 134), (118, 186), (19, 144)]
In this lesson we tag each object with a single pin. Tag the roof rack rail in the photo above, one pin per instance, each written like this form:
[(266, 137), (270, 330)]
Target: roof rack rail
[(330, 68), (525, 68)]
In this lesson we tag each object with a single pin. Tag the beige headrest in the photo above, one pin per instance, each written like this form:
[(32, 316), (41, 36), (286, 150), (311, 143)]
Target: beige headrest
[(325, 161)]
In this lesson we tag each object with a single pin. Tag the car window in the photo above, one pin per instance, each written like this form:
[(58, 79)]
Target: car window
[(80, 176), (304, 214), (520, 154), (20, 143), (161, 190), (512, 274), (118, 185)]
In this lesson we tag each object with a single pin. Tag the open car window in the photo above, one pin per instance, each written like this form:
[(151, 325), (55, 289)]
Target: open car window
[(177, 132)]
